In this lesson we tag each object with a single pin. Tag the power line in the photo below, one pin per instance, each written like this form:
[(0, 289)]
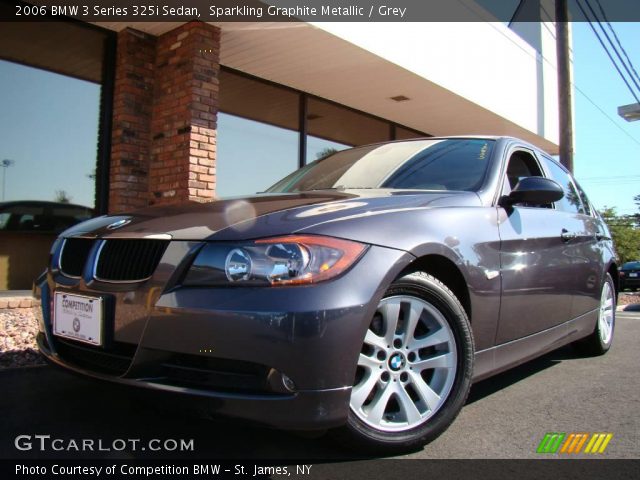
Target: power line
[(633, 79), (615, 35), (612, 177), (579, 3), (606, 114), (578, 89)]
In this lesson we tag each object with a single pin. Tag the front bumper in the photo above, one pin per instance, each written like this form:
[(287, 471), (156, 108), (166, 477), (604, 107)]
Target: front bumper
[(282, 356), (629, 282)]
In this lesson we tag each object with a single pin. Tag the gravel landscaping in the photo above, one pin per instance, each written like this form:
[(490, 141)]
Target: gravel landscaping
[(18, 329), (628, 298)]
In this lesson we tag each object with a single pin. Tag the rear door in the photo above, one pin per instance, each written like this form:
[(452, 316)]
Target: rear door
[(584, 247)]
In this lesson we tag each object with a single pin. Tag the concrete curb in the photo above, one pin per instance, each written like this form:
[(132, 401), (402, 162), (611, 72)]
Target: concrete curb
[(18, 302)]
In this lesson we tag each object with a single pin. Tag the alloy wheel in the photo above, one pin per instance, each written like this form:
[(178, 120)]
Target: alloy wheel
[(407, 365), (606, 314)]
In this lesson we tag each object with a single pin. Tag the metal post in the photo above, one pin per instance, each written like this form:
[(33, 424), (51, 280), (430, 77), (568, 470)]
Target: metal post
[(6, 163), (302, 130), (564, 85)]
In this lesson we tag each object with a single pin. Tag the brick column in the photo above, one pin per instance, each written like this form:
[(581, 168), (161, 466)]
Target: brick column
[(130, 139), (183, 124), (165, 108)]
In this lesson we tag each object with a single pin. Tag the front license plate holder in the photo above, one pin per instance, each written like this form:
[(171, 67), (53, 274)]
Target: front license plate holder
[(79, 317)]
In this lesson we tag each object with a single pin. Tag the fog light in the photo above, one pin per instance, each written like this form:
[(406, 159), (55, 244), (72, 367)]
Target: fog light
[(288, 383)]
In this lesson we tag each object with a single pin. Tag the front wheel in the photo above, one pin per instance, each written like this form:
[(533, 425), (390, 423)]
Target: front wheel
[(599, 342), (414, 370)]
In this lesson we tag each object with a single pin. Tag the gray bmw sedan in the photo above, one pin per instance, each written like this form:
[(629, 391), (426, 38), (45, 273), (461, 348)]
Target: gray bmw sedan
[(361, 294)]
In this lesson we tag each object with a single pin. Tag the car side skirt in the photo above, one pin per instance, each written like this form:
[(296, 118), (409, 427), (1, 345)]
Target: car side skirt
[(497, 359)]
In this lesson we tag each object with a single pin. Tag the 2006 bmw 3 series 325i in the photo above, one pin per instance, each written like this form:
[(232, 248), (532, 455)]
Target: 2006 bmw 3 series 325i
[(362, 294)]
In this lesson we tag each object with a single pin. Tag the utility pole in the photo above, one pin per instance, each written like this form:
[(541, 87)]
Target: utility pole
[(6, 163), (564, 84)]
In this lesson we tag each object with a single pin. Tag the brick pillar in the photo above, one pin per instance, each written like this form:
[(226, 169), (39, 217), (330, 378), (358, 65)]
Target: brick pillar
[(130, 139), (183, 124), (164, 120)]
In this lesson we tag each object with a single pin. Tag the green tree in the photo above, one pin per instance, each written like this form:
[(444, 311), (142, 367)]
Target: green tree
[(325, 152), (62, 196), (625, 233)]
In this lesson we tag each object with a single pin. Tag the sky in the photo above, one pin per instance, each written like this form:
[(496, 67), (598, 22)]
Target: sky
[(607, 147), (48, 127)]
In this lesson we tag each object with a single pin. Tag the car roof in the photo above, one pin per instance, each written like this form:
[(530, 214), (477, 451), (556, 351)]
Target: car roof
[(463, 137)]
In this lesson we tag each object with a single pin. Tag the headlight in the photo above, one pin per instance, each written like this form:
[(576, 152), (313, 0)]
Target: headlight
[(289, 260)]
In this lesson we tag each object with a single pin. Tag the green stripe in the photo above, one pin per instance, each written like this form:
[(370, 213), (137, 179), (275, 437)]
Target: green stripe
[(542, 448), (556, 446), (551, 442)]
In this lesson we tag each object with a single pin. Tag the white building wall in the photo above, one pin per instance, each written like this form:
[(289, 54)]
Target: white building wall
[(484, 62)]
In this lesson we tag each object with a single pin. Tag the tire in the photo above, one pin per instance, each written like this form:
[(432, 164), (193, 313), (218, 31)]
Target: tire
[(599, 342), (414, 372)]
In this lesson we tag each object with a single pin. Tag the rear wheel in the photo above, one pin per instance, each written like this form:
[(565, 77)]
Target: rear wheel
[(599, 342), (414, 371)]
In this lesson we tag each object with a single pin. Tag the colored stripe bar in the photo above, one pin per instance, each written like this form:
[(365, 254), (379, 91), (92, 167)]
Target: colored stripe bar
[(584, 438), (557, 443), (607, 439), (542, 448), (567, 442)]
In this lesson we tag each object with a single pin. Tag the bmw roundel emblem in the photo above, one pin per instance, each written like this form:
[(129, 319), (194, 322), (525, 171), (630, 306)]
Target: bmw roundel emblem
[(397, 361), (119, 224), (76, 324)]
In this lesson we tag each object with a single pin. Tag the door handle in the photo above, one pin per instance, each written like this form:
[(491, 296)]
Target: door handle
[(567, 236)]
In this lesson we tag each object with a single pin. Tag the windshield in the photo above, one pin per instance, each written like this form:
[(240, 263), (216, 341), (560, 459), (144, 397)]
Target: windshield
[(631, 266), (443, 164)]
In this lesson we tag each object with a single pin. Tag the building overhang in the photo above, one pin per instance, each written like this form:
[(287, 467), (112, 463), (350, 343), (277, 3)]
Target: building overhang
[(309, 58)]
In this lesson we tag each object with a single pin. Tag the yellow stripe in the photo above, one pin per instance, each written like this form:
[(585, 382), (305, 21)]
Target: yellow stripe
[(567, 442), (605, 443), (591, 442), (584, 439), (595, 447)]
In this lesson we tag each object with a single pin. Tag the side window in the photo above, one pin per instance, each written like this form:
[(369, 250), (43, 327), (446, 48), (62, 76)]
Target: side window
[(22, 218), (585, 200), (521, 165), (571, 201)]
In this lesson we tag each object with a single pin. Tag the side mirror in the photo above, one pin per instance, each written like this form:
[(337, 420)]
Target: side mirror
[(536, 190)]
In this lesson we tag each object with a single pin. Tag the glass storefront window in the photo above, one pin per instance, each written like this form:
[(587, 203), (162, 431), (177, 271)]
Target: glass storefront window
[(342, 125), (319, 148), (50, 92), (48, 135), (257, 139), (252, 155), (407, 134)]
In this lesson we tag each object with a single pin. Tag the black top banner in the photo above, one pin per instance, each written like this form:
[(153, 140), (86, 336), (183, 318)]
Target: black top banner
[(321, 10)]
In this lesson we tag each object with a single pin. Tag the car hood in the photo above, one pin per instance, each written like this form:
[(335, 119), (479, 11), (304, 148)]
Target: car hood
[(262, 215)]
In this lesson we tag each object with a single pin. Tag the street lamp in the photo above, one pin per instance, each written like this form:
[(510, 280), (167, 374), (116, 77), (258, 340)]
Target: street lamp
[(630, 113), (6, 163)]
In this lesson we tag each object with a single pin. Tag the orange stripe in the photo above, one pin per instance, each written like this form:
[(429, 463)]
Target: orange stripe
[(584, 439), (576, 439), (567, 442)]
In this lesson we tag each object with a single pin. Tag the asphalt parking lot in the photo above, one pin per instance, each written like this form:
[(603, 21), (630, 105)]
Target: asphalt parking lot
[(505, 417)]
